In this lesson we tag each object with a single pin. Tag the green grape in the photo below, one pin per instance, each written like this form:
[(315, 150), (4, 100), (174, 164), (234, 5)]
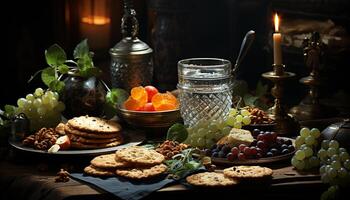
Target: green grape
[(322, 154), (307, 163), (308, 152), (21, 102), (300, 165), (335, 157), (218, 135), (49, 93), (221, 124), (245, 112), (37, 103), (45, 99), (225, 131), (304, 132), (310, 140), (300, 154), (30, 97), (299, 141), (315, 132), (39, 92), (325, 144), (332, 173), (322, 169), (303, 146), (230, 120), (341, 149), (294, 161), (336, 164), (346, 164), (325, 178), (233, 111), (246, 120), (334, 144), (331, 151), (237, 125), (213, 127), (239, 118), (342, 172), (344, 156), (56, 95), (202, 132)]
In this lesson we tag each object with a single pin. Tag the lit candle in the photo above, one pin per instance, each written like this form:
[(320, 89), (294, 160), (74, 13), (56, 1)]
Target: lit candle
[(97, 30), (277, 39)]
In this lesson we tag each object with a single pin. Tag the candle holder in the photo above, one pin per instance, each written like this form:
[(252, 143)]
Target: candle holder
[(285, 123), (310, 107)]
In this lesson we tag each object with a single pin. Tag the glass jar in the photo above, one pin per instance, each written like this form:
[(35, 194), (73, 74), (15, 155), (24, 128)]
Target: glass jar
[(83, 96), (204, 89)]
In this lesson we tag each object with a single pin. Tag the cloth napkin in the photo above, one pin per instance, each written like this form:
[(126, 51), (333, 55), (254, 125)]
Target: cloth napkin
[(125, 188)]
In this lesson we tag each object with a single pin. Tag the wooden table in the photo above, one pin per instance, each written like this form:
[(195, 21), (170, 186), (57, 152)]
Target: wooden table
[(26, 177)]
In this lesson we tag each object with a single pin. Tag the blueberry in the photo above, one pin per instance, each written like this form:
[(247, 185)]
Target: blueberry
[(291, 148), (285, 151), (269, 154), (274, 151), (288, 142), (284, 146), (207, 152), (215, 155), (226, 149), (222, 154), (213, 147)]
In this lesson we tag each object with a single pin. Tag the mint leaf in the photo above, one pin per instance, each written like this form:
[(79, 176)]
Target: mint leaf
[(56, 86), (63, 69), (55, 55), (81, 50), (116, 96), (261, 89), (177, 132), (89, 72), (249, 100), (48, 75)]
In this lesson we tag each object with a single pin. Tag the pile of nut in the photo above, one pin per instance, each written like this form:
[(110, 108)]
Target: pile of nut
[(170, 148), (42, 140), (258, 116)]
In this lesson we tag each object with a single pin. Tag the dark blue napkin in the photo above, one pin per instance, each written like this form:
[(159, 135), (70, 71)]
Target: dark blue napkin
[(125, 188)]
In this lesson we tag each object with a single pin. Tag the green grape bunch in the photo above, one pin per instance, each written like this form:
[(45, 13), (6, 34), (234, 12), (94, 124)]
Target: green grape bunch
[(42, 108)]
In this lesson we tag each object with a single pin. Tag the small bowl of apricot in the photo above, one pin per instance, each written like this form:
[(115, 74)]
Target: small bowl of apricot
[(146, 107)]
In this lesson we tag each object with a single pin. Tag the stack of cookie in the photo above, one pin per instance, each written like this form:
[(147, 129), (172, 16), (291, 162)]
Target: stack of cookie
[(131, 162), (230, 176), (87, 132)]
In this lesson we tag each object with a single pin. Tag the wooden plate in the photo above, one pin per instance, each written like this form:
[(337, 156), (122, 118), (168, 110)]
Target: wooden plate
[(267, 160), (131, 138)]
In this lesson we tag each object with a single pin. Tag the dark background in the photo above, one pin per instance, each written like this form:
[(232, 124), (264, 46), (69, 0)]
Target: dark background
[(197, 28)]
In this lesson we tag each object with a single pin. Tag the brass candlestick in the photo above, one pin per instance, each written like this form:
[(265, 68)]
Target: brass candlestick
[(310, 107), (285, 123)]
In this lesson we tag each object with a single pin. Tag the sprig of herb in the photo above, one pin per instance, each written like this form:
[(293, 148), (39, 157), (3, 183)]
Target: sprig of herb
[(183, 164), (56, 58), (114, 97), (177, 132), (247, 98)]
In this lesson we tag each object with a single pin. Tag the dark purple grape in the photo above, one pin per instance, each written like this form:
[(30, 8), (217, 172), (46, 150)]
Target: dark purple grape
[(221, 154), (258, 155), (274, 151), (284, 146), (246, 151), (226, 149), (285, 151), (220, 146), (262, 132), (256, 132), (274, 135), (261, 144), (207, 152), (215, 155), (260, 137), (254, 143), (269, 154), (291, 148), (288, 142), (259, 150)]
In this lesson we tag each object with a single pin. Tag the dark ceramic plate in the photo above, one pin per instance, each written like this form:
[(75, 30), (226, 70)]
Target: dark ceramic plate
[(262, 127), (280, 158), (131, 138)]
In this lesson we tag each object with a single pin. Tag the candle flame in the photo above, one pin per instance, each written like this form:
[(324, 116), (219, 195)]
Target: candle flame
[(277, 23), (96, 20)]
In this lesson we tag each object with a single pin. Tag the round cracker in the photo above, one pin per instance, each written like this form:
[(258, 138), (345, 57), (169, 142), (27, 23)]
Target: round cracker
[(94, 124), (94, 171), (79, 145), (140, 156), (72, 131), (247, 172), (60, 129), (107, 162), (142, 173), (210, 179)]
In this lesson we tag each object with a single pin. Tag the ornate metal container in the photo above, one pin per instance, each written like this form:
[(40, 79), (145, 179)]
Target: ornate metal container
[(131, 59)]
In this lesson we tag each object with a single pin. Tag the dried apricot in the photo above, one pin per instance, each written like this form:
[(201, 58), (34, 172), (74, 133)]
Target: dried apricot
[(132, 104), (165, 106), (164, 101)]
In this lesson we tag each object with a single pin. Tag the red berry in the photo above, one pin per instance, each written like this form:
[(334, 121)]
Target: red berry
[(148, 107), (241, 147), (231, 157), (235, 151), (151, 91), (260, 137), (246, 151), (241, 156), (253, 151)]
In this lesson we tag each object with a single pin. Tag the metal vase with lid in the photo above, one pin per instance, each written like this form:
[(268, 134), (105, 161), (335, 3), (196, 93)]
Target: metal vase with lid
[(131, 63)]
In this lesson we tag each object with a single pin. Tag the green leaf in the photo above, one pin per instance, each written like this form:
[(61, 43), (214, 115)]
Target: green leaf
[(56, 86), (81, 50), (63, 69), (48, 75), (90, 72), (55, 55), (10, 111), (116, 96), (177, 132), (261, 89)]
